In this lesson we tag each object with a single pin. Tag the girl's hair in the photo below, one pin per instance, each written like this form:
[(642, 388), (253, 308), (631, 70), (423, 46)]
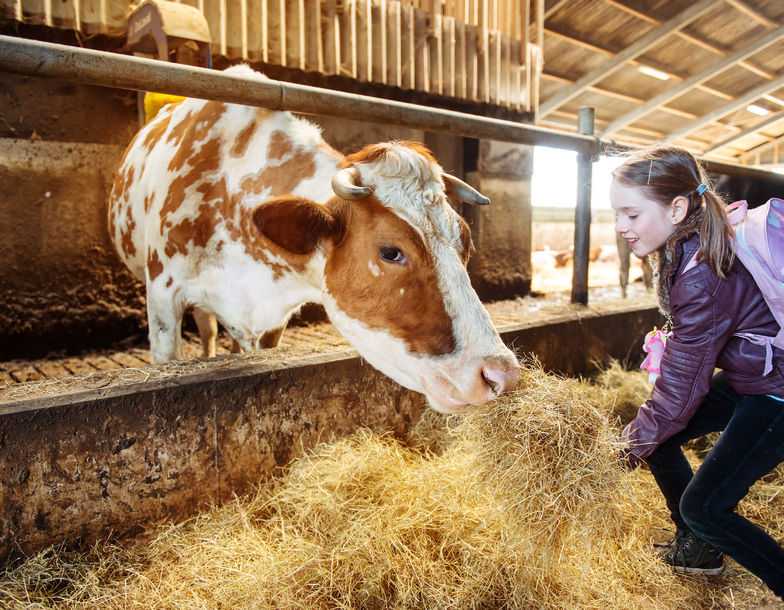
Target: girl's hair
[(668, 172)]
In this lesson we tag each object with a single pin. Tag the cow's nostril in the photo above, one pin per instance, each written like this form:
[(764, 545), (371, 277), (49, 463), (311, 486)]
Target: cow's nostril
[(493, 380)]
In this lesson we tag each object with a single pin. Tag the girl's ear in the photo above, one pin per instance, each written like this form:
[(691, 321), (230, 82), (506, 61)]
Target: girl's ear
[(678, 209)]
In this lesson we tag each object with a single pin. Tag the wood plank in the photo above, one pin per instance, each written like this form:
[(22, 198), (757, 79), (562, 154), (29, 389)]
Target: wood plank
[(276, 39), (142, 354), (295, 34), (52, 369), (331, 38), (449, 56), (381, 47), (254, 23), (394, 48), (472, 62), (436, 42), (460, 60), (422, 52), (364, 44), (235, 17), (127, 360), (408, 47), (102, 363), (77, 366), (25, 373), (314, 45)]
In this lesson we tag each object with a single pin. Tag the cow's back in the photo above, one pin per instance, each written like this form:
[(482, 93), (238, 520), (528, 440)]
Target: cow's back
[(192, 173)]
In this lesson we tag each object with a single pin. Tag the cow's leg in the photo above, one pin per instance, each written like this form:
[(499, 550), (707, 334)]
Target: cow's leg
[(208, 331), (647, 272), (623, 262), (272, 337), (164, 316)]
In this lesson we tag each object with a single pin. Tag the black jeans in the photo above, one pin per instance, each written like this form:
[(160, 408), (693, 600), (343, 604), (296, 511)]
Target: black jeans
[(750, 446)]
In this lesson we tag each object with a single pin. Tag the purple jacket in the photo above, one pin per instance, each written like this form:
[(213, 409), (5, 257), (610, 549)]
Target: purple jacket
[(706, 312)]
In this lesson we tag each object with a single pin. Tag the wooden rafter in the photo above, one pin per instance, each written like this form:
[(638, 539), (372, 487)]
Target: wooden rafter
[(752, 12), (554, 7), (694, 39), (711, 117), (660, 100), (618, 95), (757, 128), (631, 52), (763, 148), (573, 39)]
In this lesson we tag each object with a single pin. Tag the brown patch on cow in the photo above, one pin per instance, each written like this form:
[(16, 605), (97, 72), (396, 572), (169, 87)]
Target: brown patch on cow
[(219, 246), (279, 145), (373, 152), (154, 264), (155, 131), (466, 243), (417, 315), (243, 139), (206, 161), (281, 179), (272, 338), (126, 234), (169, 282), (196, 129), (198, 231), (147, 202)]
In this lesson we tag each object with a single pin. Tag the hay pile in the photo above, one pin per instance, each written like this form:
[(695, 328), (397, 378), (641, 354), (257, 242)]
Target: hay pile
[(518, 506)]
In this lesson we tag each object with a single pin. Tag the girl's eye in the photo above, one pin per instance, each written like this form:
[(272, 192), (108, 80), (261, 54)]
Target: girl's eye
[(391, 254), (632, 216)]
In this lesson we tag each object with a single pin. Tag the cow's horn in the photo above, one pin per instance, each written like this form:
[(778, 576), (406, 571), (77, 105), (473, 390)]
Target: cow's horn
[(347, 184), (463, 191)]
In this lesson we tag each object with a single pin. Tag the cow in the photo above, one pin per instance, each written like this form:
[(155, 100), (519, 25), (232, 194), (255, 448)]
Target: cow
[(245, 214)]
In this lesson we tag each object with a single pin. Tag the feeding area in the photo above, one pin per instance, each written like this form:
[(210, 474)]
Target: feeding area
[(322, 304), (520, 505)]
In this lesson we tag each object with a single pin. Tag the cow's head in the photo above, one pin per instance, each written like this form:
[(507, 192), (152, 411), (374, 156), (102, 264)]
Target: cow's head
[(395, 280)]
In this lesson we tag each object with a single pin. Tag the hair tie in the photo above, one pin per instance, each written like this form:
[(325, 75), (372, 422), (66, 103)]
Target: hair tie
[(701, 189)]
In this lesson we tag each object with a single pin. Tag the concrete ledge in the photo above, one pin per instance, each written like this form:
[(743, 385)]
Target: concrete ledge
[(79, 466)]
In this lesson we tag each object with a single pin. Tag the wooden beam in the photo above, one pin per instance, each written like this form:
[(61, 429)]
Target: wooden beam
[(633, 51), (696, 40), (572, 38), (762, 148), (774, 118), (693, 81), (555, 7), (749, 97), (621, 96), (752, 12)]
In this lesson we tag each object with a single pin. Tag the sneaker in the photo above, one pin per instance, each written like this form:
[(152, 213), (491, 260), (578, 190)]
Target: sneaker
[(690, 555), (663, 547)]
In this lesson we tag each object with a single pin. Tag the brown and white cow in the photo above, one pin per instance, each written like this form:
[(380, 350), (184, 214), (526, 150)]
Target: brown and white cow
[(246, 214)]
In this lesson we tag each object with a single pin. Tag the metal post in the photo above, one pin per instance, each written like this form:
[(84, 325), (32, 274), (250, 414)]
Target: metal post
[(582, 213)]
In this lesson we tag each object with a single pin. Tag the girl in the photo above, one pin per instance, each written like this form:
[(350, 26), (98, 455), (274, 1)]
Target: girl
[(664, 206)]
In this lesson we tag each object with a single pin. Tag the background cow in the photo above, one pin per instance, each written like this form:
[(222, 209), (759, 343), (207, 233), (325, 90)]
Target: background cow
[(230, 209), (624, 254)]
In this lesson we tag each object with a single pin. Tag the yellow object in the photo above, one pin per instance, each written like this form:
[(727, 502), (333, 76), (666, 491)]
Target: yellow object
[(153, 102)]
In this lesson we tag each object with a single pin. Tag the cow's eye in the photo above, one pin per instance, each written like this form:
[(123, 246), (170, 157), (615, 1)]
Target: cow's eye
[(392, 255)]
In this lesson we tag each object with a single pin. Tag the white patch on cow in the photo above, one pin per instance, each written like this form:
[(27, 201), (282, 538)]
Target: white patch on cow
[(402, 291), (374, 269)]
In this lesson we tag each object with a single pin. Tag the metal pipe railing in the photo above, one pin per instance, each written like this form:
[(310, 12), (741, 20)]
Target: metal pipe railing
[(91, 67)]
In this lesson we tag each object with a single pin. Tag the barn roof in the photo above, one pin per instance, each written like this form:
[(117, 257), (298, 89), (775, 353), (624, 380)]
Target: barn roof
[(707, 75)]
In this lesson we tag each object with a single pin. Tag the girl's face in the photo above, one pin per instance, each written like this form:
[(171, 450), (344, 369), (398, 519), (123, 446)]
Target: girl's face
[(643, 223)]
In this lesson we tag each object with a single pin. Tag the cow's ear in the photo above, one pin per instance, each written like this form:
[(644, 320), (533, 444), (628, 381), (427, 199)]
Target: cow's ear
[(296, 224)]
